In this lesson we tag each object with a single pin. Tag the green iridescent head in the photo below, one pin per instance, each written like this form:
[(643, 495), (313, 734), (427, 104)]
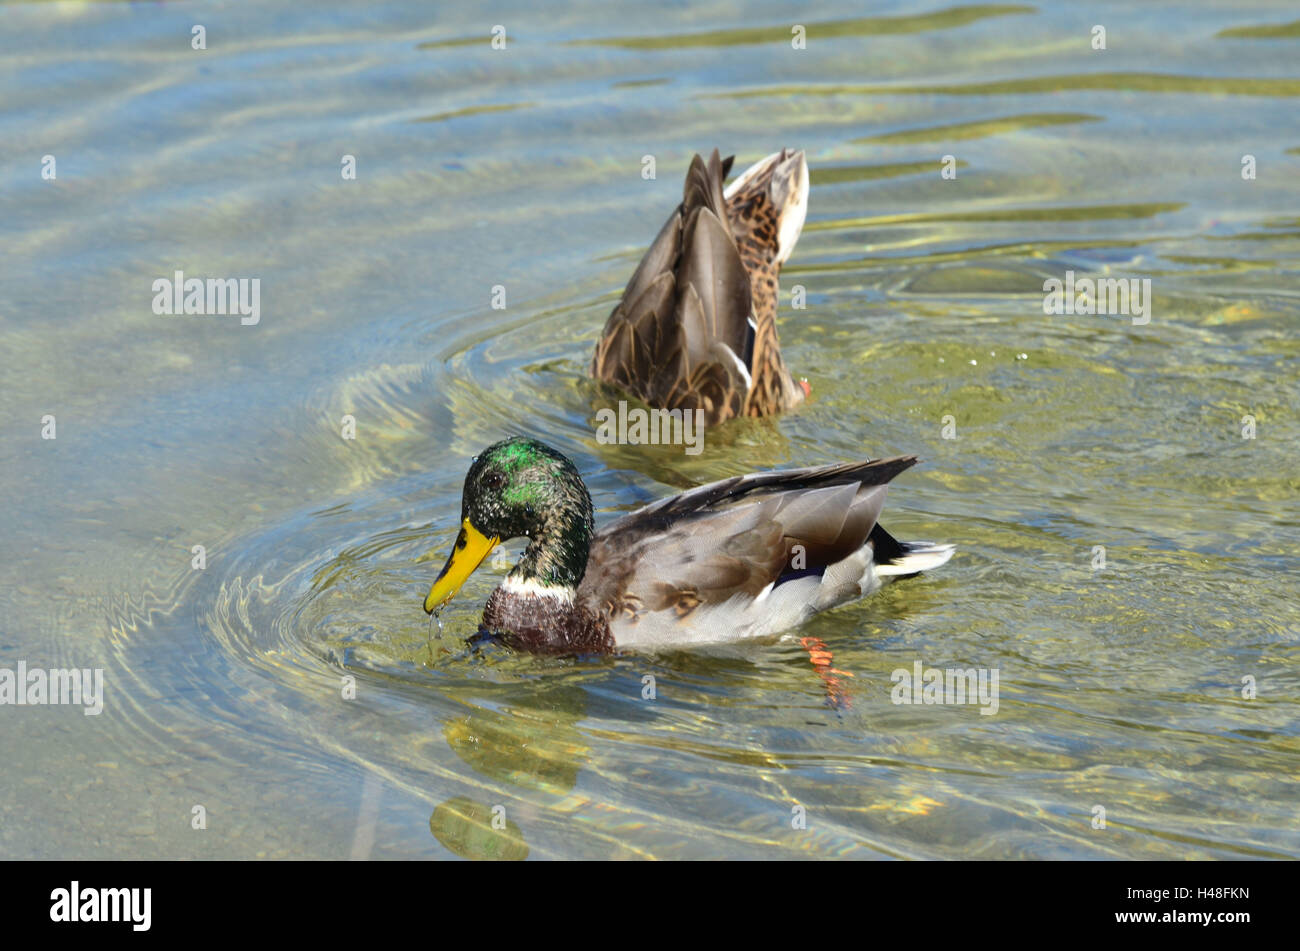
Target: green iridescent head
[(515, 488)]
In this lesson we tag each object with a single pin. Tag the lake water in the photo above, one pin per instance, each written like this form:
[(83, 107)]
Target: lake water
[(1077, 439)]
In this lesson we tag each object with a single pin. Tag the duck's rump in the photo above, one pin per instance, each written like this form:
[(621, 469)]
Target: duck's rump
[(747, 556), (682, 337)]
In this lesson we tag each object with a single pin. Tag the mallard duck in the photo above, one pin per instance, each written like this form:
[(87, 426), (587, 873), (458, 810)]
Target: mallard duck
[(696, 326), (748, 556)]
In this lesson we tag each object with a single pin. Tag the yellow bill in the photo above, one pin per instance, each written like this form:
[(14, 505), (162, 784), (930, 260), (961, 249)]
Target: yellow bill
[(471, 547)]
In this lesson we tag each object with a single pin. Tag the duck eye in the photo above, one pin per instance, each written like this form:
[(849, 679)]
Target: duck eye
[(494, 480), (528, 511)]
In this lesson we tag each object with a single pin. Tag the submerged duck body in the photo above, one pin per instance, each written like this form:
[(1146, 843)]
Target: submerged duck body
[(696, 325), (749, 556)]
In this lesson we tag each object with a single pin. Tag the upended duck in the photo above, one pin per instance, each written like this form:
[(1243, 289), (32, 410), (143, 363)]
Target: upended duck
[(748, 556), (696, 326)]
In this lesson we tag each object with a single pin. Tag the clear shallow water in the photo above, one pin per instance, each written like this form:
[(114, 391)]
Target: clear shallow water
[(522, 168)]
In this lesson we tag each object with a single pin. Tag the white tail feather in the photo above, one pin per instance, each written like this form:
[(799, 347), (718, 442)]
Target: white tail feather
[(920, 556)]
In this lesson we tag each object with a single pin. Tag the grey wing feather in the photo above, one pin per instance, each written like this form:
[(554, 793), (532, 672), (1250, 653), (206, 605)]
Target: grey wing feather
[(735, 536)]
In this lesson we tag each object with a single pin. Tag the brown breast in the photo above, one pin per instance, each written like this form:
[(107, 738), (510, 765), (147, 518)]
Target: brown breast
[(546, 625)]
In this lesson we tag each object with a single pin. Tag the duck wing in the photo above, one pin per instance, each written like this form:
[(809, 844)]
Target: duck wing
[(681, 336), (713, 563)]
